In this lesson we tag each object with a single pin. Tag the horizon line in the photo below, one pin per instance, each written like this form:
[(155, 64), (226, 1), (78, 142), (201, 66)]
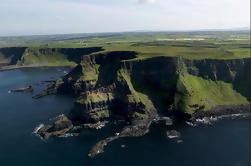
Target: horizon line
[(133, 31)]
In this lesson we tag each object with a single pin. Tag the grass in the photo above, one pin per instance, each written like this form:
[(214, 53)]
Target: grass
[(135, 96), (53, 59), (4, 59), (95, 98), (189, 50), (215, 45), (196, 90), (35, 56)]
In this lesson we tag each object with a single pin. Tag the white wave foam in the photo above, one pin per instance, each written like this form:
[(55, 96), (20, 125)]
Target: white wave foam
[(205, 120), (57, 117), (100, 126), (209, 120), (171, 136), (66, 135), (191, 124), (37, 129)]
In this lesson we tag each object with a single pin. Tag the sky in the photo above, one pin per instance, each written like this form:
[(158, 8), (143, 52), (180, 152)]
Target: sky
[(33, 17)]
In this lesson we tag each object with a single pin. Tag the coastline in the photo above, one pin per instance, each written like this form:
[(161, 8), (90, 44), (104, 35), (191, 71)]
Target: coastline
[(230, 111), (14, 67), (141, 128), (222, 110)]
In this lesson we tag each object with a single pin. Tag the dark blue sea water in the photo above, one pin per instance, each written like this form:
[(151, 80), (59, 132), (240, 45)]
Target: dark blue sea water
[(224, 143)]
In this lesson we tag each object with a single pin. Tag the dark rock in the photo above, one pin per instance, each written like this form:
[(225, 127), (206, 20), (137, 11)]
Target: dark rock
[(60, 127), (27, 89), (166, 121), (173, 134)]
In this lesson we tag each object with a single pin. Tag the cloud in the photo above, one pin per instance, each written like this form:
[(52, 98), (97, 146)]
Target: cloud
[(146, 1)]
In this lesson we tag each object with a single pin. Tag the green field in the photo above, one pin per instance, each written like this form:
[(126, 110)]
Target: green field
[(191, 45)]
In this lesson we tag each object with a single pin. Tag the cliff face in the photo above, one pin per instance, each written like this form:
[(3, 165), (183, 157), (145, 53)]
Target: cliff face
[(23, 56), (105, 89), (116, 86), (11, 55)]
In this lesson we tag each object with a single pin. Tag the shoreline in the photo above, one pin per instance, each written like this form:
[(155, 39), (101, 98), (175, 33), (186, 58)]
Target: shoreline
[(222, 110), (11, 67)]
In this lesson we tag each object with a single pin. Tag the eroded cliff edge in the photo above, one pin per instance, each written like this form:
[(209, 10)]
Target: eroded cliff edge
[(115, 86), (19, 57)]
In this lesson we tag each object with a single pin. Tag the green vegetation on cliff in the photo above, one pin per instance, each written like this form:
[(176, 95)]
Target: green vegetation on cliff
[(44, 57), (22, 56), (194, 92), (134, 96)]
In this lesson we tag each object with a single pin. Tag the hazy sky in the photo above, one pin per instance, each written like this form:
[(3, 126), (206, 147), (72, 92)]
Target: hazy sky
[(26, 17)]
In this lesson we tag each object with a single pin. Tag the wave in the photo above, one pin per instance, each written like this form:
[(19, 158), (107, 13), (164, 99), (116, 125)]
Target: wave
[(66, 135), (37, 129), (191, 124), (209, 120), (100, 126), (57, 117)]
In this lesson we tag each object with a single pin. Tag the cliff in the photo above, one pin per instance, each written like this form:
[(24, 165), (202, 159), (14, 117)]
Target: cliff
[(106, 82), (116, 86), (14, 57)]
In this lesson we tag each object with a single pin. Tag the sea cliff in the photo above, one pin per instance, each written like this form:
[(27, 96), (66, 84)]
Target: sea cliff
[(116, 86)]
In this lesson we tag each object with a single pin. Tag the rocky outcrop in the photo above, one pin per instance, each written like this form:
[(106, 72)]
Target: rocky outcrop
[(136, 129), (27, 89), (173, 134), (61, 126)]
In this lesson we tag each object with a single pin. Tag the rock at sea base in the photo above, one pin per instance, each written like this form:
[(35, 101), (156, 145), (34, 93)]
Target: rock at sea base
[(169, 122), (173, 134), (27, 89), (165, 121), (59, 128)]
